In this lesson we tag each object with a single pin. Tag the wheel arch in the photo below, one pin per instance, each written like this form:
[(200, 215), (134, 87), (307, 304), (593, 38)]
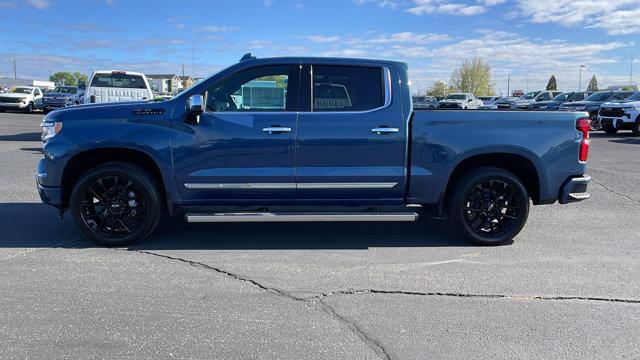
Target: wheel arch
[(516, 162), (83, 161)]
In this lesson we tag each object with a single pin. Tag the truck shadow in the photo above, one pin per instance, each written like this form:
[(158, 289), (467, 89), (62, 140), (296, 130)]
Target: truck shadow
[(32, 136), (30, 225)]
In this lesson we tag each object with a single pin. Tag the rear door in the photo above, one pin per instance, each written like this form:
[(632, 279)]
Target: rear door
[(351, 134)]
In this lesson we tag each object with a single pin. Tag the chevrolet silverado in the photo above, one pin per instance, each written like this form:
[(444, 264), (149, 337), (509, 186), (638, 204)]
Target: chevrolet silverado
[(307, 139)]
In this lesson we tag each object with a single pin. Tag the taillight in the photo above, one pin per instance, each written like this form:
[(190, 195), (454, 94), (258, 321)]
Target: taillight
[(583, 125)]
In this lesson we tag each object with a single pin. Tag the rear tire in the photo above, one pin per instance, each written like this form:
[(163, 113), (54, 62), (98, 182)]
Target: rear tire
[(488, 206), (116, 203), (609, 129)]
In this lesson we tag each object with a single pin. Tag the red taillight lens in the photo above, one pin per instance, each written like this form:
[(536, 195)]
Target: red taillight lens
[(583, 125)]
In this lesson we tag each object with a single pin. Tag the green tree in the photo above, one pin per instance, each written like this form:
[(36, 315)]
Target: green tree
[(473, 76), (68, 78), (439, 89), (593, 84), (552, 84)]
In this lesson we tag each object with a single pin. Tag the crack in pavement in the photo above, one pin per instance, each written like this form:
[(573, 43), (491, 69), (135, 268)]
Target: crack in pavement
[(33, 251), (615, 192), (481, 296), (374, 345)]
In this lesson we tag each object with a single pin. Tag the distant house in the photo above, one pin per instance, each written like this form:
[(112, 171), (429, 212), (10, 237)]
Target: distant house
[(186, 81), (164, 83)]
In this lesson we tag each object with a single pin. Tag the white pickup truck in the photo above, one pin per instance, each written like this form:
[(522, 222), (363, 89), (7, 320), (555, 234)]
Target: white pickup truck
[(115, 86), (23, 98), (460, 101), (622, 115)]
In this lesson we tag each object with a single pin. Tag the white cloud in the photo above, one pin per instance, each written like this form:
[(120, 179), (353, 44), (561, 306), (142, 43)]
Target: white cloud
[(409, 37), (38, 4), (323, 39), (218, 29), (615, 17)]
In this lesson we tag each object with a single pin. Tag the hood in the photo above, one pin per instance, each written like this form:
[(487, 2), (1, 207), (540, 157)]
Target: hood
[(119, 110), (582, 103), (15, 95), (55, 94), (623, 103), (452, 101)]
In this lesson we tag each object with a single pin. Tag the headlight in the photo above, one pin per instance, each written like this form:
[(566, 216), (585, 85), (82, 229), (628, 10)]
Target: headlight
[(24, 100), (543, 106), (50, 129)]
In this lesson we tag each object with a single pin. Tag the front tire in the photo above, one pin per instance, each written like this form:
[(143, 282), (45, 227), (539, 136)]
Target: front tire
[(116, 203), (29, 109), (609, 129), (488, 206), (636, 127)]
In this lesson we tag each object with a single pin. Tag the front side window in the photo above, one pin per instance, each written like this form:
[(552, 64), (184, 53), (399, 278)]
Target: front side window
[(257, 89), (347, 88)]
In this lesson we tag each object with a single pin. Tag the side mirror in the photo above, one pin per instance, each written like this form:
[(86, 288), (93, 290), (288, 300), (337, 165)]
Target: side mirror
[(195, 107), (195, 104)]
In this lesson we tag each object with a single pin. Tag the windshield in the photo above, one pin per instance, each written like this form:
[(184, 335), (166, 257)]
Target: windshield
[(419, 98), (65, 89), (562, 97), (20, 90), (599, 96), (529, 95), (118, 80), (622, 95), (455, 97), (635, 97)]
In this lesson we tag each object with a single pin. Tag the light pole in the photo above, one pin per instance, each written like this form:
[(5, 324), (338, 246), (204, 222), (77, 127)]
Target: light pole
[(15, 73), (631, 72), (527, 80), (580, 77), (509, 85)]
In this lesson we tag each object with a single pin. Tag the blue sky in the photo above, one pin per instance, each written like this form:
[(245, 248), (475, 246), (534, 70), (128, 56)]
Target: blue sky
[(433, 36)]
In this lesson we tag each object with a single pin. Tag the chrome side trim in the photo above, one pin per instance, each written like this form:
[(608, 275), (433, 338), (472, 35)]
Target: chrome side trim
[(259, 186), (264, 186), (299, 217), (368, 185)]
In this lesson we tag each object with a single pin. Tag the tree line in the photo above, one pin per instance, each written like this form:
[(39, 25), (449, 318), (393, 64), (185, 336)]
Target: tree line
[(474, 76)]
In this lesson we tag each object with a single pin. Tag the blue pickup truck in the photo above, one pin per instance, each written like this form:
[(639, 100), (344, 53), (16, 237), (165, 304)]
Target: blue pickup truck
[(307, 139)]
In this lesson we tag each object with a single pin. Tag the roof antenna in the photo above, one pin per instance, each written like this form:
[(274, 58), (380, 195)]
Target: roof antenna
[(247, 56)]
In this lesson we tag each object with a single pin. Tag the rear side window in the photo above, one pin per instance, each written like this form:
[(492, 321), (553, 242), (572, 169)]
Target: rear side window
[(118, 81), (347, 88)]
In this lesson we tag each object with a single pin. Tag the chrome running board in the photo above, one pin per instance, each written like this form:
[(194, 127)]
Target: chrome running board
[(299, 217)]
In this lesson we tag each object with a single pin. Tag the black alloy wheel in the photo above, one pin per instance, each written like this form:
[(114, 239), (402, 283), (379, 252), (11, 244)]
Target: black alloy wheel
[(636, 127), (115, 204), (489, 206)]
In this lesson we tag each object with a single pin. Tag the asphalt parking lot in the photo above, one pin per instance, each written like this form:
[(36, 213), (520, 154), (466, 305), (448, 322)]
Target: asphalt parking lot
[(568, 287)]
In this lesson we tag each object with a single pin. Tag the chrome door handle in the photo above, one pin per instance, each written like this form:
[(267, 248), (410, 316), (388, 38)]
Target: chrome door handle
[(384, 130), (276, 129)]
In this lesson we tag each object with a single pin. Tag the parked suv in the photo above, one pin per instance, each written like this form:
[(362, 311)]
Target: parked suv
[(526, 102), (23, 98), (622, 115), (115, 86), (425, 102), (62, 96), (593, 102), (460, 101), (554, 104)]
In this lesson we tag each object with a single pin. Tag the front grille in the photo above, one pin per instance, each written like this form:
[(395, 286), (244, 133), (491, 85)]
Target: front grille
[(450, 106), (612, 111), (10, 100)]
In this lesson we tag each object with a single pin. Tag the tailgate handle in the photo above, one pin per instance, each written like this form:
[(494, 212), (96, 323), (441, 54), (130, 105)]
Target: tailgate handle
[(380, 130)]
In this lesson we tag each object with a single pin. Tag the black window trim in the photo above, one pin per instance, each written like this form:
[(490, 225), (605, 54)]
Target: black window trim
[(294, 74), (387, 90)]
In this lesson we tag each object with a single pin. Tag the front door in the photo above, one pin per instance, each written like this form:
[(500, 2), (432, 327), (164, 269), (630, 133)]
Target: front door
[(351, 141), (242, 149)]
